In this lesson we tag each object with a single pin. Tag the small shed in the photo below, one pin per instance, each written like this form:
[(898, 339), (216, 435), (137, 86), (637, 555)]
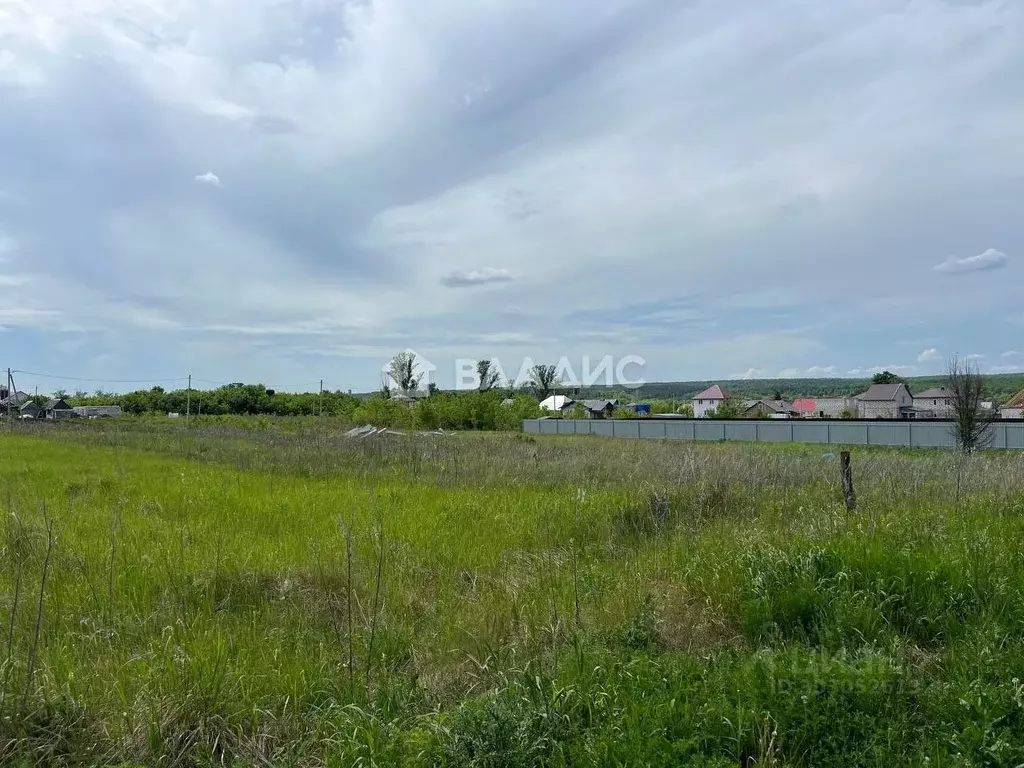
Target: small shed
[(58, 408), (31, 410), (98, 411), (598, 409), (773, 409)]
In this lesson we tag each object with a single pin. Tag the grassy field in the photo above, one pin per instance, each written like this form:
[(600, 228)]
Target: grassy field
[(269, 596)]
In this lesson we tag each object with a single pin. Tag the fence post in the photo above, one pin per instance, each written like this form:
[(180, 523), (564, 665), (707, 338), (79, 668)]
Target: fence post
[(847, 470)]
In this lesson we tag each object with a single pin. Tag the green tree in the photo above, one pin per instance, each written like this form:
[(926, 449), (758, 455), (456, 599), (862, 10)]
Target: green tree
[(543, 380), (488, 375), (728, 409), (885, 377), (402, 371)]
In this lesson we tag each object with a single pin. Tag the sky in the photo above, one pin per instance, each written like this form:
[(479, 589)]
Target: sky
[(283, 191)]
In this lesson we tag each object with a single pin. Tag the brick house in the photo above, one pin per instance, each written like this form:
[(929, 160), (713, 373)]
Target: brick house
[(886, 401)]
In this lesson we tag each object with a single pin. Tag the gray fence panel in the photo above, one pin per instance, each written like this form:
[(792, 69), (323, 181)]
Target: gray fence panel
[(848, 434), (889, 434), (679, 430), (630, 429), (652, 430), (710, 430), (909, 434), (775, 432), (741, 430), (931, 435), (810, 433)]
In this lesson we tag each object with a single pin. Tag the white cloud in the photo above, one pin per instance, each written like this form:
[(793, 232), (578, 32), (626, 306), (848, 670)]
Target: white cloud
[(989, 259), (826, 371), (788, 373), (459, 279), (1012, 353), (1006, 368), (930, 356), (749, 374), (974, 358), (208, 178)]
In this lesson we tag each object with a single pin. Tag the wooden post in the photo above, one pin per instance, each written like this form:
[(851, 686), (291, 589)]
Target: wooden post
[(848, 495)]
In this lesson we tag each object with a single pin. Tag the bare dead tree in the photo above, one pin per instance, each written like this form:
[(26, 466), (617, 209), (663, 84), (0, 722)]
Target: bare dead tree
[(488, 374), (971, 421)]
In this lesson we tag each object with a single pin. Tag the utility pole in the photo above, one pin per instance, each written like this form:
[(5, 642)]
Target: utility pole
[(9, 394), (321, 406), (188, 400)]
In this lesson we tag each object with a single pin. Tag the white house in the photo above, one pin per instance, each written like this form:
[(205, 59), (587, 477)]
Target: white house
[(1014, 407), (937, 400), (556, 403), (708, 400), (886, 401)]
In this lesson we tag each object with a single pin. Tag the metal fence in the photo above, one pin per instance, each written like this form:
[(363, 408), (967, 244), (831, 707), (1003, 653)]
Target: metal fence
[(906, 434)]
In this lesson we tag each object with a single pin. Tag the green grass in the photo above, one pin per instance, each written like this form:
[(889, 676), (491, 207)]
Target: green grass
[(505, 601)]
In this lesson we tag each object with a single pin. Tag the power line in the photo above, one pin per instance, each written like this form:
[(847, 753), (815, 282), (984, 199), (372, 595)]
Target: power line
[(101, 381), (313, 384)]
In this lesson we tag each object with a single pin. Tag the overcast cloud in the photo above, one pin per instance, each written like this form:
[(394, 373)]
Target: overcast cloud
[(289, 190)]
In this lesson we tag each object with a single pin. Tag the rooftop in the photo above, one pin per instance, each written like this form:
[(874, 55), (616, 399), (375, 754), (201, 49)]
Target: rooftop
[(882, 392), (712, 393), (934, 393)]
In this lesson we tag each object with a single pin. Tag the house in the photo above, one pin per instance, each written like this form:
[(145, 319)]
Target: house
[(887, 401), (708, 400), (557, 403), (98, 411), (598, 409), (16, 400), (825, 407), (1014, 407), (771, 409), (805, 407), (31, 410), (938, 401), (58, 409)]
